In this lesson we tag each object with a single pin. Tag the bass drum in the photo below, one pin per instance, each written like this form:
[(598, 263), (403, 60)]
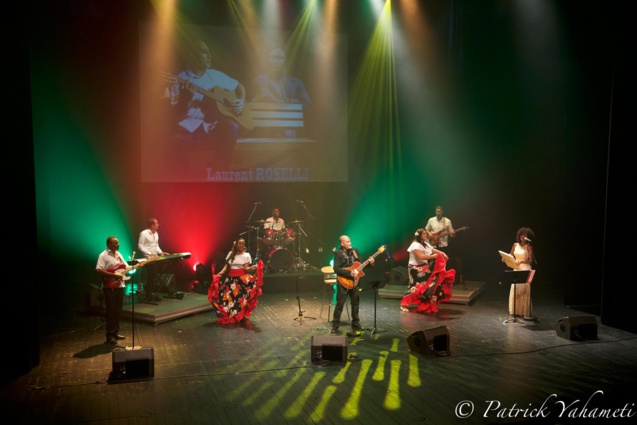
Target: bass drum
[(281, 260)]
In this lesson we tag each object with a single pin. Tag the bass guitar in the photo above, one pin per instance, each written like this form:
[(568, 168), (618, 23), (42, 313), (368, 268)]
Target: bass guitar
[(352, 282), (223, 98), (435, 237)]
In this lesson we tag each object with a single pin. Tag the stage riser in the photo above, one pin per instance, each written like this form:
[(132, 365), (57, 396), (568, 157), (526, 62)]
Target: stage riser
[(460, 294)]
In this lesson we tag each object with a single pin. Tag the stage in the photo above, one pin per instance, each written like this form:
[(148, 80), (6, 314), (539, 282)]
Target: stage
[(161, 307)]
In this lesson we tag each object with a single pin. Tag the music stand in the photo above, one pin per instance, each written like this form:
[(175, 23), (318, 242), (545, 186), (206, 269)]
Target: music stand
[(515, 277)]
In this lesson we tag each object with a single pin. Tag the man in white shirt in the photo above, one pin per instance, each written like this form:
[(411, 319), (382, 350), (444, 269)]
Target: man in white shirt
[(441, 228), (148, 242)]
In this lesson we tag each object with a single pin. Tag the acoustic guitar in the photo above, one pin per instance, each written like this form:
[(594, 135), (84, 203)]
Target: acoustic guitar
[(223, 98), (352, 282)]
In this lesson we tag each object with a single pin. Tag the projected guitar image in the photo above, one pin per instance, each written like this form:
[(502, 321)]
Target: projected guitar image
[(223, 98), (352, 282)]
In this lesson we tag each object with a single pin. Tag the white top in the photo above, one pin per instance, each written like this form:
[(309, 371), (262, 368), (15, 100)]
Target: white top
[(521, 254), (434, 226), (240, 259), (109, 261), (274, 225), (417, 246), (148, 243)]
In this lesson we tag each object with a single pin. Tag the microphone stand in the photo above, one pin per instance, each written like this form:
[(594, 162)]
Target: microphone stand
[(253, 210), (300, 261), (298, 299), (256, 253)]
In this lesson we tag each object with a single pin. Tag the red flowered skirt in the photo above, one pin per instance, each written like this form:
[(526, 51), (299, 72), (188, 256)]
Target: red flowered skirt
[(237, 295), (437, 289)]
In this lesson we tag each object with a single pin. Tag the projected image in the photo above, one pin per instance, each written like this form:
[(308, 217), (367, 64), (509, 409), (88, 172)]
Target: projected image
[(223, 105)]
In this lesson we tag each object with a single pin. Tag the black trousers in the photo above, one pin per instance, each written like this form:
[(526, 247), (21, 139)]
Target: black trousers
[(341, 298), (114, 300)]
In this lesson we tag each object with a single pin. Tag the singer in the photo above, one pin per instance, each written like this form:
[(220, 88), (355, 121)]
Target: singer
[(523, 253), (344, 259), (235, 291)]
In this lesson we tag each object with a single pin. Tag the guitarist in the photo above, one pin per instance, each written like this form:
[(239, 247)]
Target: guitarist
[(344, 258), (204, 122), (442, 228), (108, 262)]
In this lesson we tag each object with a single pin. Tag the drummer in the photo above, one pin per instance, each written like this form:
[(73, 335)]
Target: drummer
[(277, 224)]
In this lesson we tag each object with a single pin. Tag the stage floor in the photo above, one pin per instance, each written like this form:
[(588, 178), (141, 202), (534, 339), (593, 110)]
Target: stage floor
[(261, 370)]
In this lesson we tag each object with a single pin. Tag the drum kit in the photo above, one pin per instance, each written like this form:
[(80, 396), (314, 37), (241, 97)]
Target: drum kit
[(276, 247)]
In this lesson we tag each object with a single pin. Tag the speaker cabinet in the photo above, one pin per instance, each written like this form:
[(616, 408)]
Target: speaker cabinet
[(328, 348), (398, 276), (430, 341), (133, 364), (577, 328)]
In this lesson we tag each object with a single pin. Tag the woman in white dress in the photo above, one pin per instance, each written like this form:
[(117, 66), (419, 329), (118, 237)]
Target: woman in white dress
[(520, 294)]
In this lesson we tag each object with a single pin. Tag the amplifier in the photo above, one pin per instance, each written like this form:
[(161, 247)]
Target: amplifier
[(133, 363), (328, 348)]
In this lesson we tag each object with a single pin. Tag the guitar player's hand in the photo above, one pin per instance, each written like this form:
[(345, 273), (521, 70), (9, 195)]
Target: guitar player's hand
[(371, 260), (237, 106)]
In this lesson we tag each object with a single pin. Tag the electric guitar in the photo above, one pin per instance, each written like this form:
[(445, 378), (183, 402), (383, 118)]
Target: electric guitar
[(224, 100), (352, 282), (122, 271), (435, 237)]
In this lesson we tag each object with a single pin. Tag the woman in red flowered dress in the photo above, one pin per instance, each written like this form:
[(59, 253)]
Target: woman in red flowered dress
[(429, 281), (235, 291)]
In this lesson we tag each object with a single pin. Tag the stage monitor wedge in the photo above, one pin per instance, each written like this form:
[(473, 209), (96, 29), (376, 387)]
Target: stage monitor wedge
[(577, 328), (137, 363), (430, 341), (329, 349)]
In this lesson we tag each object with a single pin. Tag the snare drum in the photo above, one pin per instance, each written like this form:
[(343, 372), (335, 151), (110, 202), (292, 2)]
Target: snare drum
[(281, 260), (288, 236), (268, 237)]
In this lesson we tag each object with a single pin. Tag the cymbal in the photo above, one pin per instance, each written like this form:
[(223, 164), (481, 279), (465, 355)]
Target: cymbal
[(296, 222), (259, 221)]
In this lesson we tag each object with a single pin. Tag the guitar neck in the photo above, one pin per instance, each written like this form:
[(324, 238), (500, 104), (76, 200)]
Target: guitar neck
[(366, 262), (200, 90)]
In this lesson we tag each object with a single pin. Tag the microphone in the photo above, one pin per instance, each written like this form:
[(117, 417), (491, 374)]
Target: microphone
[(528, 240), (257, 203), (298, 201)]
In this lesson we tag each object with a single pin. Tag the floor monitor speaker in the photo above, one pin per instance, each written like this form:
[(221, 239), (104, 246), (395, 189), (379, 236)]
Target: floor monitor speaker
[(430, 341), (399, 276), (134, 363), (577, 328), (329, 348)]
